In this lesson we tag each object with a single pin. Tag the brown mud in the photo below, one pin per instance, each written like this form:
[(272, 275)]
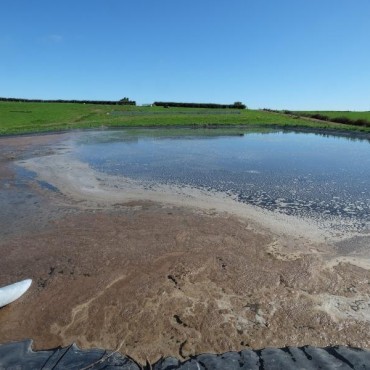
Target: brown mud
[(156, 279)]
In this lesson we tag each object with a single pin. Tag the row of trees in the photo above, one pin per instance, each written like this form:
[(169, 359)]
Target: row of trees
[(124, 101), (236, 105), (127, 101)]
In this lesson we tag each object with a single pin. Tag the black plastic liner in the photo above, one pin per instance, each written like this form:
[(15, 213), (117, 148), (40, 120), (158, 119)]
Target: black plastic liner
[(20, 356)]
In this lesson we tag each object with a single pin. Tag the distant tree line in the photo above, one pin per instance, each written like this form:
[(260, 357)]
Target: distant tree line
[(124, 101), (236, 105), (323, 117)]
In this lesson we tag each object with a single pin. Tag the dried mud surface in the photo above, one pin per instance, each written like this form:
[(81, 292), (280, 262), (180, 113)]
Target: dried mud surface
[(155, 279)]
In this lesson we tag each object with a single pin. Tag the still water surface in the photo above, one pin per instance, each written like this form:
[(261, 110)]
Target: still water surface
[(300, 173)]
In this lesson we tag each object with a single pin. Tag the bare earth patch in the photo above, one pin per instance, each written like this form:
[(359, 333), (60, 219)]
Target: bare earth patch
[(159, 279)]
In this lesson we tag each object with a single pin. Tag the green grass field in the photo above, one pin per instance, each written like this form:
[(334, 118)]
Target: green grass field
[(26, 117)]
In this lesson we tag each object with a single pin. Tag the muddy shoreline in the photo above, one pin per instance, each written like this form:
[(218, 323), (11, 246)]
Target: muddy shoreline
[(157, 276)]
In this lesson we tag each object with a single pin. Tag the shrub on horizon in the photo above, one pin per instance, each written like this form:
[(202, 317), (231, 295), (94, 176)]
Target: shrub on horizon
[(236, 105)]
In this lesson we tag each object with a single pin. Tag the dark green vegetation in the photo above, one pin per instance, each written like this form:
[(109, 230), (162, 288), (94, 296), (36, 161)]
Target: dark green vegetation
[(124, 101), (26, 117), (344, 117), (350, 118), (236, 105)]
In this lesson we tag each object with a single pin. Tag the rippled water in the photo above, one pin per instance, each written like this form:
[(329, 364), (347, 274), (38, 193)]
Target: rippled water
[(301, 173)]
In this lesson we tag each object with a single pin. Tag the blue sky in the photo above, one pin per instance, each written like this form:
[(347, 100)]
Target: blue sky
[(294, 54)]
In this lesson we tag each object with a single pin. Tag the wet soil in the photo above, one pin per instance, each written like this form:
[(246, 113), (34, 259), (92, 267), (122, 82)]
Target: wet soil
[(159, 280)]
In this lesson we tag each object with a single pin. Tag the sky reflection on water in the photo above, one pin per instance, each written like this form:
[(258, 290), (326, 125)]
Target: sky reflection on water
[(298, 173)]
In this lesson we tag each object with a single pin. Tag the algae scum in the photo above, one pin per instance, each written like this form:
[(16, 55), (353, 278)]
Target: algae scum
[(314, 175)]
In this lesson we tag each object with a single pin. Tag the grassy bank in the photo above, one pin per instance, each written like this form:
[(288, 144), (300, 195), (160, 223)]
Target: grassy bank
[(20, 117), (343, 117)]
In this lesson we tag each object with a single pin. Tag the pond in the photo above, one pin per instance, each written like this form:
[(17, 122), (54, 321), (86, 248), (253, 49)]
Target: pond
[(309, 174), (234, 226)]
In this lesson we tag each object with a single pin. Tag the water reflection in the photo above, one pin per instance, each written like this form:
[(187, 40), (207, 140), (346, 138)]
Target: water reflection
[(314, 174)]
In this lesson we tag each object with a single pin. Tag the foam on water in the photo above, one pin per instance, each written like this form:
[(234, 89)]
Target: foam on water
[(299, 180), (301, 174)]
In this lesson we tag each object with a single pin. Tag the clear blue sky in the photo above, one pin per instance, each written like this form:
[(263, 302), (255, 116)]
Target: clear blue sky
[(296, 54)]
